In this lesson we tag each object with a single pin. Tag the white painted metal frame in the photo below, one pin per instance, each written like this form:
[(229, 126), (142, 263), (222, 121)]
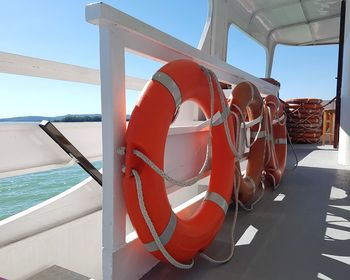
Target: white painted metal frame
[(42, 68), (271, 22), (214, 37), (344, 130), (120, 32), (39, 152)]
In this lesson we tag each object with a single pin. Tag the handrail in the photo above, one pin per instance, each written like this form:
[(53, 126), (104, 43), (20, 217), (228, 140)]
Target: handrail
[(37, 67), (148, 41)]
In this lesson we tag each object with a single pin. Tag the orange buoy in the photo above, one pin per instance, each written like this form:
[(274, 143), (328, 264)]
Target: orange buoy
[(304, 125), (306, 135), (305, 112), (307, 120), (304, 101), (303, 139), (302, 113), (276, 152), (303, 130), (182, 237), (312, 106), (246, 100), (304, 119)]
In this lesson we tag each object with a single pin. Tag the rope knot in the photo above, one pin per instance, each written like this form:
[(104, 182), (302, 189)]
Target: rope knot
[(121, 151)]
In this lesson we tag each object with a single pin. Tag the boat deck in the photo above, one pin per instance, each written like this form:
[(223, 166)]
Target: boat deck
[(299, 231)]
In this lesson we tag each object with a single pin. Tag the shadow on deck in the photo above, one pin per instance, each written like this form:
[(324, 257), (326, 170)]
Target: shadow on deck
[(304, 236)]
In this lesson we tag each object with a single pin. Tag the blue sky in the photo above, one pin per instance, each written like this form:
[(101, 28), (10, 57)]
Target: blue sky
[(57, 30)]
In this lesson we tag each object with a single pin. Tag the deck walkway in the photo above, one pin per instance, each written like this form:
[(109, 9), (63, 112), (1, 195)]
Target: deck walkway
[(299, 231)]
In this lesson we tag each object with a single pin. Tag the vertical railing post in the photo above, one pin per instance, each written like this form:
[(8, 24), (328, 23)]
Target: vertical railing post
[(113, 131)]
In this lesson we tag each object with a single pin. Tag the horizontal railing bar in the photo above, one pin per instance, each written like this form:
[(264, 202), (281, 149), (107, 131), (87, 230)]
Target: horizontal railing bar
[(37, 67), (151, 42)]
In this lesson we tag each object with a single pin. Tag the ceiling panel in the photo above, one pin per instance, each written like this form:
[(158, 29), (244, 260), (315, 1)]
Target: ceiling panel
[(325, 28), (321, 8), (291, 22), (283, 15), (293, 35)]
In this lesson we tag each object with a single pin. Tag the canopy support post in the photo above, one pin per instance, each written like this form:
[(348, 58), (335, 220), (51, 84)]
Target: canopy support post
[(339, 75), (270, 52), (343, 88)]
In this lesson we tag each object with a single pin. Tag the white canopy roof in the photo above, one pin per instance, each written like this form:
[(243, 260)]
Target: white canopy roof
[(290, 22)]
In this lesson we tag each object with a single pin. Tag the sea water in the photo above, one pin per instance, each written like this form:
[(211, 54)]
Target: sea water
[(22, 192)]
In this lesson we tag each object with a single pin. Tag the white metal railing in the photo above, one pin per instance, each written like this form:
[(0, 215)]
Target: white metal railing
[(120, 32), (36, 67), (39, 152)]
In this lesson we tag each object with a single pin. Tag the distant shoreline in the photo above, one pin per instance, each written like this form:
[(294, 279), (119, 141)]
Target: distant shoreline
[(65, 118)]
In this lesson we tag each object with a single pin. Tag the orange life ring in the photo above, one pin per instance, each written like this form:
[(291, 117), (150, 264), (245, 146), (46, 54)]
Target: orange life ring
[(307, 120), (302, 114), (306, 135), (304, 111), (304, 101), (304, 125), (314, 106), (246, 99), (305, 140), (276, 152), (182, 237), (302, 131)]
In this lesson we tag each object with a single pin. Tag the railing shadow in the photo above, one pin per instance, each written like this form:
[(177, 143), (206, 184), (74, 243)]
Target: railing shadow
[(304, 236)]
